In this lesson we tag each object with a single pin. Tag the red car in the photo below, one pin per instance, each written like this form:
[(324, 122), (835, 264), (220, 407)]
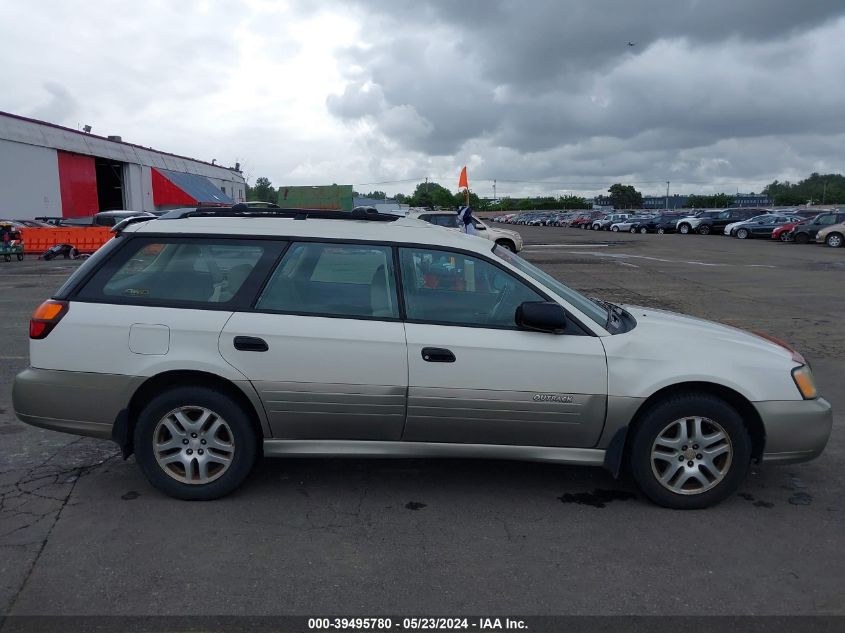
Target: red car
[(784, 232), (585, 221)]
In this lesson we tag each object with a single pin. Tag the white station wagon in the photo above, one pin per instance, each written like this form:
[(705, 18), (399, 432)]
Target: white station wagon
[(204, 339)]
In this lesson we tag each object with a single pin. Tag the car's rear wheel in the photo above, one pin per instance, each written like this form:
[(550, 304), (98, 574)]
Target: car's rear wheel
[(615, 229), (834, 240), (643, 230), (690, 451), (742, 234), (802, 238), (684, 229), (507, 244), (661, 231), (704, 229), (195, 443)]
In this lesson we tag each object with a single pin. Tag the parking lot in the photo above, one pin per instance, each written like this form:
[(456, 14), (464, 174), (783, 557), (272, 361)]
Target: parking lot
[(81, 532)]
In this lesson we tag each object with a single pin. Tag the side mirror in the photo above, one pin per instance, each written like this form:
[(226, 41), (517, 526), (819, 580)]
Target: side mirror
[(541, 316)]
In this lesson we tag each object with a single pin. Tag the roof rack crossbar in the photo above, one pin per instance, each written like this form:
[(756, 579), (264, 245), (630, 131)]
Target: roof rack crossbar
[(242, 211)]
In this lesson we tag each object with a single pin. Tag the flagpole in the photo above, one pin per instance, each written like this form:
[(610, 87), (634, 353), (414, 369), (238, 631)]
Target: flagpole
[(467, 190)]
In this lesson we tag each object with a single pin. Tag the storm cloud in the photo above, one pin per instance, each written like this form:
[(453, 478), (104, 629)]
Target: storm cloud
[(545, 96), (553, 90)]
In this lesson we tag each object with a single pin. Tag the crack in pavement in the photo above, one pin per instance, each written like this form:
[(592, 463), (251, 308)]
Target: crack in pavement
[(33, 498)]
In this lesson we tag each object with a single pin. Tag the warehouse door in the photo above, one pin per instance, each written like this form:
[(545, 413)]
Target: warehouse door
[(109, 184), (78, 185)]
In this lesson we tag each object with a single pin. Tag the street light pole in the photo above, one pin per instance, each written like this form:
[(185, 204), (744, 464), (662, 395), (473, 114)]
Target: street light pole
[(667, 195)]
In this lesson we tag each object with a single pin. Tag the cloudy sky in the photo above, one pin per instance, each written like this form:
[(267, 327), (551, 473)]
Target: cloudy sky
[(545, 96)]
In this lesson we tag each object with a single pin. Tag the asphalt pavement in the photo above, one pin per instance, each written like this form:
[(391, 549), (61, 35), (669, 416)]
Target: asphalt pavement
[(82, 533)]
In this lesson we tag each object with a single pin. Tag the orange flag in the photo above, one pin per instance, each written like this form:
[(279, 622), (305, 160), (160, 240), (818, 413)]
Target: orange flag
[(462, 181)]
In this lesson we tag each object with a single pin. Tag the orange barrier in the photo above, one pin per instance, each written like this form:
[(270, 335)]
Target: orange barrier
[(86, 239)]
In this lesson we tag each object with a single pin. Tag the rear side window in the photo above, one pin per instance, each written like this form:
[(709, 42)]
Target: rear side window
[(352, 280), (198, 271)]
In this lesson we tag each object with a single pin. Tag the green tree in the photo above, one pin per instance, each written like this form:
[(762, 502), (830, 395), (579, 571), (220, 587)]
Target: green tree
[(722, 201), (431, 194), (817, 188), (263, 191), (625, 197)]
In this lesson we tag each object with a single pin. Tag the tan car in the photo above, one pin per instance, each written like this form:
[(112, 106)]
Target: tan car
[(833, 235)]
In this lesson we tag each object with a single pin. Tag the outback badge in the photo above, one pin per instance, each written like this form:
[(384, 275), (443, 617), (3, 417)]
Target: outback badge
[(552, 397)]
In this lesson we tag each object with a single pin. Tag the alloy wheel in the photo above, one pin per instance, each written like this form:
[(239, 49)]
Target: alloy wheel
[(193, 445), (834, 240), (691, 455)]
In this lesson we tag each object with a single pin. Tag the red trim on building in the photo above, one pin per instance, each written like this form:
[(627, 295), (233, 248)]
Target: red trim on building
[(78, 184), (165, 193)]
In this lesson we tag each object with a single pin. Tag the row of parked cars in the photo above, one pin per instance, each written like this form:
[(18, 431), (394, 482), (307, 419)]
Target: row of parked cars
[(801, 226)]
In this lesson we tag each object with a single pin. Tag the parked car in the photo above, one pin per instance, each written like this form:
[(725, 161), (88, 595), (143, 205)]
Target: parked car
[(805, 233), (626, 224), (201, 343), (660, 224), (784, 232), (689, 224), (603, 224), (832, 235), (508, 239), (584, 221), (103, 218), (762, 226), (730, 228), (717, 223)]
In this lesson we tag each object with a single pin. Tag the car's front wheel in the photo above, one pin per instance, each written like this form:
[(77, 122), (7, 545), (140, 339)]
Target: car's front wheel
[(195, 443), (684, 229), (742, 234), (661, 230), (643, 230), (690, 451), (704, 229), (834, 240)]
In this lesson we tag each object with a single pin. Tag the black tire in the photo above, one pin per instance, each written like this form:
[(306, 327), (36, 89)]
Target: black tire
[(661, 230), (507, 244), (684, 229), (834, 240), (743, 234), (20, 257), (663, 413), (704, 229), (615, 229), (244, 437), (802, 238), (643, 230), (785, 237)]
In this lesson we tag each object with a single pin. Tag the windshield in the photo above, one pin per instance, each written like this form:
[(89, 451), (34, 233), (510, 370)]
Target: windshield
[(589, 307)]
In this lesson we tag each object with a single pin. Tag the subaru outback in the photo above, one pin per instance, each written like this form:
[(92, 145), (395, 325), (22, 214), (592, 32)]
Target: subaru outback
[(207, 338)]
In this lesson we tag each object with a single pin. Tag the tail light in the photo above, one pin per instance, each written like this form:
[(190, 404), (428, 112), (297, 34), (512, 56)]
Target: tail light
[(46, 317)]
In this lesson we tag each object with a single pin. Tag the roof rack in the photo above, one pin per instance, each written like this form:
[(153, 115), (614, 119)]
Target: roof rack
[(243, 211)]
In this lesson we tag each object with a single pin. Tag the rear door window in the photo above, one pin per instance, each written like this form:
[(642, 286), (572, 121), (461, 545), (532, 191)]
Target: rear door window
[(190, 271), (329, 279)]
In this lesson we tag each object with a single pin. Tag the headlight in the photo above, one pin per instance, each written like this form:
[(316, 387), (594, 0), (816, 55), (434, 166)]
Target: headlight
[(803, 377)]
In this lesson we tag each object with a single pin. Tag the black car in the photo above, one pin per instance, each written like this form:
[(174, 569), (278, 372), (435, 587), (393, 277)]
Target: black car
[(659, 224), (718, 223), (763, 226), (804, 233)]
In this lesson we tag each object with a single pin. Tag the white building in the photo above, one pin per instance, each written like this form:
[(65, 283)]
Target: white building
[(50, 170)]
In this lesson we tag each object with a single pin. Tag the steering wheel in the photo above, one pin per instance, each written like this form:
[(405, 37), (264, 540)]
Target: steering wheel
[(500, 302)]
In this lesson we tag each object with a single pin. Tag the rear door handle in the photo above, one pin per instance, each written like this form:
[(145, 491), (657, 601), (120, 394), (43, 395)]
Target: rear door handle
[(251, 344), (437, 355)]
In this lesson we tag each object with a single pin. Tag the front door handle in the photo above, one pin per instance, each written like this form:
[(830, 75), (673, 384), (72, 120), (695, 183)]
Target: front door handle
[(437, 355), (251, 344)]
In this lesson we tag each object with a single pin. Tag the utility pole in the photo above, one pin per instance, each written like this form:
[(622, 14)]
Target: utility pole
[(667, 195), (494, 191), (824, 191)]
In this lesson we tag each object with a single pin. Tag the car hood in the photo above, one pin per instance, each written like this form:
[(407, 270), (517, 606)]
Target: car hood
[(671, 326), (508, 232)]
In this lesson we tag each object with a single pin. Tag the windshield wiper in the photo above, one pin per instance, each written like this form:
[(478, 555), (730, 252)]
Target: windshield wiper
[(614, 312)]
